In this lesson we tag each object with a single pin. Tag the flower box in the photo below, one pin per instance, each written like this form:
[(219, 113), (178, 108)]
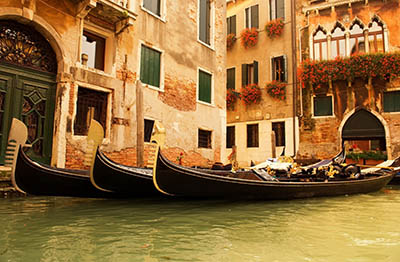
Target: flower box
[(274, 28), (249, 37)]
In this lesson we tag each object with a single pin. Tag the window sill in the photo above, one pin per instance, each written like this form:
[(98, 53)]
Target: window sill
[(161, 18), (391, 113), (159, 89), (206, 45), (205, 103), (94, 70), (319, 117)]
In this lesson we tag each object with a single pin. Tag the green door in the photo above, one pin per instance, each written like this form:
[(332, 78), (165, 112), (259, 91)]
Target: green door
[(28, 95)]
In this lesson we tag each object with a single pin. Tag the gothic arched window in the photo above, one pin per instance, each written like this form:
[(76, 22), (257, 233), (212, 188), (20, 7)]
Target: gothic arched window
[(375, 36), (320, 45), (357, 39), (338, 42)]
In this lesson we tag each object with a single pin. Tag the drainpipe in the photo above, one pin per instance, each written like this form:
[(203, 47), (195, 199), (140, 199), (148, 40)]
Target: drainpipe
[(301, 60), (294, 68)]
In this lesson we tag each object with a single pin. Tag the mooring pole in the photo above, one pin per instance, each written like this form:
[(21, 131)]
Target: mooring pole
[(139, 124)]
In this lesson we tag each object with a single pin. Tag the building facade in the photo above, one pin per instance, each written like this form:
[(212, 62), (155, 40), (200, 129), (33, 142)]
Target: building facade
[(350, 87), (63, 62), (261, 119)]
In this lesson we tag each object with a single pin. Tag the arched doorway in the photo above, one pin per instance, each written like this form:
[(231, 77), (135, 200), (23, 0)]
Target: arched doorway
[(28, 69), (364, 132)]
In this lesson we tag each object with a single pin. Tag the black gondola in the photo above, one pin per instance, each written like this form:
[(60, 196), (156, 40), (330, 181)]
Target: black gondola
[(38, 179), (31, 177), (175, 180), (107, 175)]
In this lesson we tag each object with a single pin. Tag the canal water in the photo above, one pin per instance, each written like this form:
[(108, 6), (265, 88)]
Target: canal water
[(359, 228)]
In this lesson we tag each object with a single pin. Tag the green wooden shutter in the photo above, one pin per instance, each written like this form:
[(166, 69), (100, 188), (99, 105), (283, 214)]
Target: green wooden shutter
[(285, 68), (255, 72), (254, 16), (228, 25), (150, 66), (323, 106), (230, 78), (204, 87), (205, 21), (244, 75)]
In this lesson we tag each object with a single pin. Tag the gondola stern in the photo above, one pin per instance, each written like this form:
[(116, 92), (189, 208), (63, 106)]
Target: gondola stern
[(158, 154)]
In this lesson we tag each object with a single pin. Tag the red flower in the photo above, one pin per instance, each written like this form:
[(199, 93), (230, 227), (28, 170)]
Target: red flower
[(249, 37), (274, 27)]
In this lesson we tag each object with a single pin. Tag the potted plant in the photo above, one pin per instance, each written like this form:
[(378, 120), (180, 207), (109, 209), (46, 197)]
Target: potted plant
[(231, 98), (249, 37), (277, 90), (274, 28), (250, 94), (230, 41)]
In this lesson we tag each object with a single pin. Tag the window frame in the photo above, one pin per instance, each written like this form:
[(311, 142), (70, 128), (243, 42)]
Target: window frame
[(313, 106), (211, 23), (383, 101), (229, 23), (163, 10), (271, 9), (282, 136), (356, 38), (374, 34), (248, 16), (256, 139), (234, 78), (337, 40), (162, 53), (147, 136), (320, 42), (232, 136), (106, 112), (211, 86), (209, 142), (250, 76), (285, 68)]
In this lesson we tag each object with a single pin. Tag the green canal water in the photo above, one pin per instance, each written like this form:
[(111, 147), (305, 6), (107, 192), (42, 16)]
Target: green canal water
[(358, 228)]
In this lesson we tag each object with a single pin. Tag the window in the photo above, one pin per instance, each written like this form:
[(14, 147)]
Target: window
[(148, 129), (204, 139), (231, 25), (204, 87), (357, 41), (279, 129), (277, 9), (150, 62), (375, 37), (320, 45), (252, 135), (279, 68), (94, 47), (250, 73), (323, 106), (230, 78), (153, 6), (338, 42), (205, 21), (230, 136), (391, 101), (90, 105), (252, 16)]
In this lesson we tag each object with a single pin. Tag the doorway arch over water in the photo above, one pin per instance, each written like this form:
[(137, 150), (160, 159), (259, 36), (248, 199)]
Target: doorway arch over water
[(366, 129)]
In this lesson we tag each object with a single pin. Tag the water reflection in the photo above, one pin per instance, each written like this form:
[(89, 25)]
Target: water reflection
[(350, 228)]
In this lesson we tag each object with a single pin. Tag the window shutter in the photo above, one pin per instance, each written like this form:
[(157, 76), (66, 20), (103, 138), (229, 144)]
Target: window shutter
[(280, 9), (233, 24), (244, 75), (204, 87), (273, 75), (272, 8), (208, 20), (255, 72), (247, 12), (228, 25), (285, 68), (230, 81), (254, 16), (323, 106)]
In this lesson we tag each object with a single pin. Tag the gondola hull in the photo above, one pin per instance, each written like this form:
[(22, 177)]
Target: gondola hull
[(176, 180), (124, 180), (36, 179)]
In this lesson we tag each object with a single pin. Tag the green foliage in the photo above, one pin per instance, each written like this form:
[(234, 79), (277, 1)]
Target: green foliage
[(375, 155)]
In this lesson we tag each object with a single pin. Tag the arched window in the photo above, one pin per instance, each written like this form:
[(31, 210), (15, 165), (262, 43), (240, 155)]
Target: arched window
[(357, 39), (338, 42), (375, 36), (320, 45)]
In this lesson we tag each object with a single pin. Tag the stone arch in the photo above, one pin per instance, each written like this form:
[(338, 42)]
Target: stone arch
[(382, 129), (42, 27), (338, 24), (358, 21)]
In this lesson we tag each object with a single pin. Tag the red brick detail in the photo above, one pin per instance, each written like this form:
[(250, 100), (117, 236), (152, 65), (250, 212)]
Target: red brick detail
[(74, 158), (178, 93), (71, 99), (190, 158), (126, 75)]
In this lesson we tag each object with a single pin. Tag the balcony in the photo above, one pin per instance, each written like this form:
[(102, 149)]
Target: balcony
[(319, 5), (113, 14)]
